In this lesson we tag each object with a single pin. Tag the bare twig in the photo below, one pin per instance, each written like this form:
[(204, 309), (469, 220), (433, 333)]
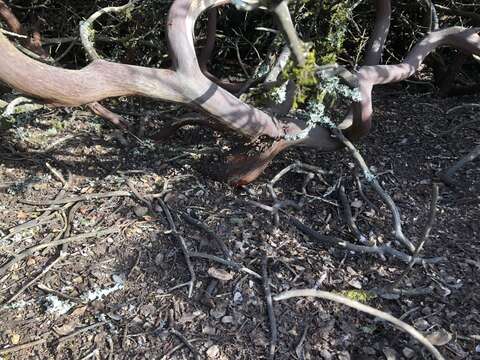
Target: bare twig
[(187, 343), (80, 331), (31, 250), (211, 235), (299, 349), (362, 193), (168, 355), (425, 235), (270, 309), (310, 171), (397, 221), (448, 174), (92, 354), (74, 199), (45, 288), (10, 109), (182, 243), (382, 250), (87, 32), (366, 309), (231, 264), (56, 174), (431, 220), (455, 128), (459, 107), (23, 346), (32, 281), (347, 211)]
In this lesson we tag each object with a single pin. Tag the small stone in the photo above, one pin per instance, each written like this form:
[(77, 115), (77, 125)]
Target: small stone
[(213, 352), (227, 319), (390, 354), (41, 186), (421, 324), (439, 337), (355, 284), (209, 330), (218, 312), (15, 339), (237, 298), (77, 280), (369, 350), (357, 204), (140, 211), (326, 355), (159, 259), (408, 353)]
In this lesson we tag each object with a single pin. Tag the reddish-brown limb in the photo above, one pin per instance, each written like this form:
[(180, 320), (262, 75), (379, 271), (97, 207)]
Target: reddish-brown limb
[(185, 83), (358, 122), (108, 115), (207, 52), (242, 169), (378, 38), (34, 44)]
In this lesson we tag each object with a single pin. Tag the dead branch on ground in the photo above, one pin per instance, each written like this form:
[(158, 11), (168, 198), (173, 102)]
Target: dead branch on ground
[(366, 309)]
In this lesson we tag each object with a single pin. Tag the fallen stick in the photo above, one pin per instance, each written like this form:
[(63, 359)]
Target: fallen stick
[(366, 309), (31, 250)]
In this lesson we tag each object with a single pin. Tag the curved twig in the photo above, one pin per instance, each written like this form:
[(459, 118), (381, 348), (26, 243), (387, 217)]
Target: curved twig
[(87, 32), (366, 309), (382, 251), (270, 310), (397, 221)]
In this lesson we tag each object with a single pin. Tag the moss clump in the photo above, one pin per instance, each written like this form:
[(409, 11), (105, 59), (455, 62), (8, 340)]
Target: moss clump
[(305, 78), (333, 43), (361, 296)]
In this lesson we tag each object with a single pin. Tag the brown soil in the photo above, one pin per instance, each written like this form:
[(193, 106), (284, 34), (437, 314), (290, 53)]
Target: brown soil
[(137, 268)]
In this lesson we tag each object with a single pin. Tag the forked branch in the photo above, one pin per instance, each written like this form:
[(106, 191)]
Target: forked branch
[(185, 83)]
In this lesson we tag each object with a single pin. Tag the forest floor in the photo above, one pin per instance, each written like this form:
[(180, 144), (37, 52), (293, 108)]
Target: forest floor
[(112, 294)]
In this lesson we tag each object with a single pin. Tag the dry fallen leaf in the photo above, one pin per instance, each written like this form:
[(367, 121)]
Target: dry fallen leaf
[(22, 215), (220, 274), (15, 339), (65, 329)]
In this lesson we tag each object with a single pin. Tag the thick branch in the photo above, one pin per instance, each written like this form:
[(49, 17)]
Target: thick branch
[(282, 13), (185, 83), (461, 38), (378, 38)]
